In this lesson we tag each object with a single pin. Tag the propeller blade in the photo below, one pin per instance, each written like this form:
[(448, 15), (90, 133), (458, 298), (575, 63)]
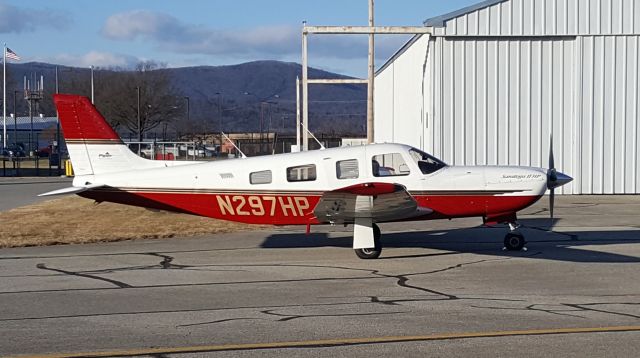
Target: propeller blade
[(552, 164), (551, 203)]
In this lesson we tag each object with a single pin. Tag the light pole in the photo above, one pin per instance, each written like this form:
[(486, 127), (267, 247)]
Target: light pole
[(92, 102), (139, 126), (15, 119)]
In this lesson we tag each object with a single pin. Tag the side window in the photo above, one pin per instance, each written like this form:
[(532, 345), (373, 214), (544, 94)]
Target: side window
[(263, 177), (386, 165), (347, 169), (302, 173)]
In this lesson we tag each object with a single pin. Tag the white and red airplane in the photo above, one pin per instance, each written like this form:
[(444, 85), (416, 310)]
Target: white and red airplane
[(361, 185)]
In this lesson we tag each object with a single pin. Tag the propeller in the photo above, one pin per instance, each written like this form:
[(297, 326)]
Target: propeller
[(552, 179)]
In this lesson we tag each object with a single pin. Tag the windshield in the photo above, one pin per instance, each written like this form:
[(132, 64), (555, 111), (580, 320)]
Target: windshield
[(428, 164)]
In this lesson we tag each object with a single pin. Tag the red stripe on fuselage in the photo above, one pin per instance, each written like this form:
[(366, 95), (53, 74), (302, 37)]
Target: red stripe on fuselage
[(297, 209)]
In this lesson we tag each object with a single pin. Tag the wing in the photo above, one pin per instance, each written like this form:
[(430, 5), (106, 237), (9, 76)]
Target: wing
[(378, 201)]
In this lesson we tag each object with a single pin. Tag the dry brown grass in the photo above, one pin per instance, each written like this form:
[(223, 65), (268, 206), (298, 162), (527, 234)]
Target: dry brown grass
[(77, 220)]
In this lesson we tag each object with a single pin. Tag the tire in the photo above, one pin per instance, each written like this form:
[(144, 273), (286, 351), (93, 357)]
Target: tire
[(372, 253), (514, 242)]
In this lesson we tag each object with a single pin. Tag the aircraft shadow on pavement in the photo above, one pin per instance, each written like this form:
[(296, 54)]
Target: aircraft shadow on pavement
[(575, 246)]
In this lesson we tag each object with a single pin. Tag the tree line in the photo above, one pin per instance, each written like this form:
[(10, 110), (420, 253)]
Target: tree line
[(121, 95)]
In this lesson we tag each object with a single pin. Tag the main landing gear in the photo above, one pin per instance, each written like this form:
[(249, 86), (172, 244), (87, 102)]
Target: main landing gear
[(514, 240), (373, 252)]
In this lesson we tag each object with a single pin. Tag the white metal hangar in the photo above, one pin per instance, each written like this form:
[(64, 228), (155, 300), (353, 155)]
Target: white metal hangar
[(493, 81)]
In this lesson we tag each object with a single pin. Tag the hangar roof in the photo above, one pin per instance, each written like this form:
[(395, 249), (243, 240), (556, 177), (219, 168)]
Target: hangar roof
[(439, 21)]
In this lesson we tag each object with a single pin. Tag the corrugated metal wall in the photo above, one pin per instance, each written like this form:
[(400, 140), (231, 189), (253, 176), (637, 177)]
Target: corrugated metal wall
[(402, 115), (496, 100), (501, 79), (608, 111), (548, 17)]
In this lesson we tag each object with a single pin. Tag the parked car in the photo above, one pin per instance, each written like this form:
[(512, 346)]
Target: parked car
[(44, 152), (13, 151)]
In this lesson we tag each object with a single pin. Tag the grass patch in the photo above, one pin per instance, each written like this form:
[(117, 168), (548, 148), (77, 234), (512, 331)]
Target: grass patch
[(75, 220)]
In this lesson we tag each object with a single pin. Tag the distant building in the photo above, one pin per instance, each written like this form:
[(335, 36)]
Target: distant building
[(45, 131), (494, 80)]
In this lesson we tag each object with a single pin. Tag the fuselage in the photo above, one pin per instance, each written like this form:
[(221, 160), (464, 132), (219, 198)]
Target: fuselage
[(284, 189)]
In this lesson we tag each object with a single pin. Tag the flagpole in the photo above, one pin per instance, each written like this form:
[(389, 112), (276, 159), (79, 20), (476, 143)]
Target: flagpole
[(4, 97)]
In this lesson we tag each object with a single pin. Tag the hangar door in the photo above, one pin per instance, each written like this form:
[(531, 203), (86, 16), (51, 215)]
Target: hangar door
[(496, 101)]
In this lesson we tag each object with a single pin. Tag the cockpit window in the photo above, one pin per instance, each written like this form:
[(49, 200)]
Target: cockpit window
[(427, 163), (389, 165)]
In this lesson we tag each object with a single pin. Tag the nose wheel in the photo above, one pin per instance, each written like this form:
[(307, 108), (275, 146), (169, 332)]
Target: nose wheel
[(373, 252), (514, 241)]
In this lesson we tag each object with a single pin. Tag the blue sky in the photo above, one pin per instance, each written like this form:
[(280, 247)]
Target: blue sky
[(197, 32)]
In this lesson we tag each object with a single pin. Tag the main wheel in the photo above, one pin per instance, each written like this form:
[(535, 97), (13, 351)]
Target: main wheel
[(514, 242), (374, 252)]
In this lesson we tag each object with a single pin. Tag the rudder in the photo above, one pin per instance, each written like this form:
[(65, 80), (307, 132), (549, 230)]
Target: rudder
[(94, 147)]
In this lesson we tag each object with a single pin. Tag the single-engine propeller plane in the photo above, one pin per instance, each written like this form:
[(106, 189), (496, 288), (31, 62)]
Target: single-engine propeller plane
[(360, 185)]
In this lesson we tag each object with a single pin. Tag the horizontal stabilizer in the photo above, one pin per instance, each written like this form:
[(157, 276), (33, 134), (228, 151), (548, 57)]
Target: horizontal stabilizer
[(72, 190)]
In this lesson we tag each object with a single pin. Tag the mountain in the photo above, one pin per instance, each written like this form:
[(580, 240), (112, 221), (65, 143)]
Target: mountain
[(249, 95)]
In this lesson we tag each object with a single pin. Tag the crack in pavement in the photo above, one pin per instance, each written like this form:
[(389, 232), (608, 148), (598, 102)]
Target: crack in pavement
[(570, 307), (78, 274), (290, 317), (221, 321), (166, 261), (584, 306), (533, 307), (401, 280), (122, 253)]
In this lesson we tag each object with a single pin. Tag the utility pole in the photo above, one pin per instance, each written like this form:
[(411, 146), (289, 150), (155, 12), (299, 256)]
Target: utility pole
[(370, 78), (362, 30), (305, 93)]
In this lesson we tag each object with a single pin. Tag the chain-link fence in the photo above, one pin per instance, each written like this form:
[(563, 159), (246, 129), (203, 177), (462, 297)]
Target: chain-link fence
[(35, 147), (32, 146)]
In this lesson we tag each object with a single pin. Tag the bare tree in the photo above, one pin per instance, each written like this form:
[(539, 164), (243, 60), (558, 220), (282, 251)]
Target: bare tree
[(118, 99)]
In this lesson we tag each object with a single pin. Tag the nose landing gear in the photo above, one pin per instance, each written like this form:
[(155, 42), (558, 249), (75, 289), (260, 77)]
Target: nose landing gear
[(514, 240)]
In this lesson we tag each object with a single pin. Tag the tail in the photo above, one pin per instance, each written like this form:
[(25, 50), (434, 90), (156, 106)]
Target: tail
[(94, 147)]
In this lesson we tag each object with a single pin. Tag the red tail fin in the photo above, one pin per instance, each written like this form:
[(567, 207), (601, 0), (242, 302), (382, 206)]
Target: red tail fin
[(81, 120)]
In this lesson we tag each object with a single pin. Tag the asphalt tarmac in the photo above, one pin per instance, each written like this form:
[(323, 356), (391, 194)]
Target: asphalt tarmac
[(20, 191), (443, 289)]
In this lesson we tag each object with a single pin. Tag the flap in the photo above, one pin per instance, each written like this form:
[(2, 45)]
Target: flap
[(378, 201)]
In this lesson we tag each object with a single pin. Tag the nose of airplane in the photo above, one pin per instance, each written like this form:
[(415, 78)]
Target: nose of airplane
[(557, 179)]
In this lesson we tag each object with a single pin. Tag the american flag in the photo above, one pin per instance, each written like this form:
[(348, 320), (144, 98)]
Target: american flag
[(12, 55)]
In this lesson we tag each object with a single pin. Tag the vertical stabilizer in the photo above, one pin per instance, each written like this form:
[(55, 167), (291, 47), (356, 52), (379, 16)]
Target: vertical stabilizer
[(94, 147)]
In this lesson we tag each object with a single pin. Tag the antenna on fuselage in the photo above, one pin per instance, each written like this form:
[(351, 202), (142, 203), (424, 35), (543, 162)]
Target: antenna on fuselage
[(314, 137), (234, 145)]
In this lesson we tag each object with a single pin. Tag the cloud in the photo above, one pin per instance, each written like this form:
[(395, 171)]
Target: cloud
[(17, 20), (168, 33), (94, 58)]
